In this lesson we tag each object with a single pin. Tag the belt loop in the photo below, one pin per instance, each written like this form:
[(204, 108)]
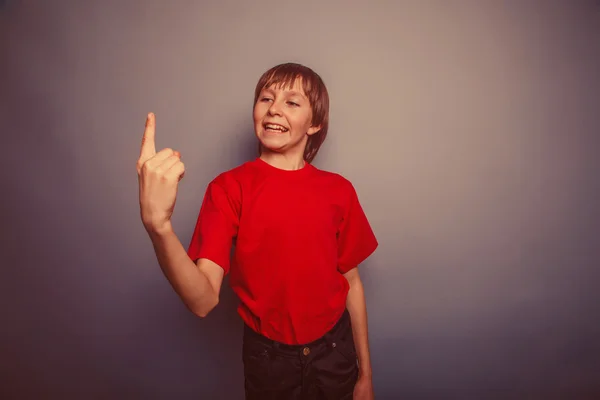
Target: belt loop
[(274, 348)]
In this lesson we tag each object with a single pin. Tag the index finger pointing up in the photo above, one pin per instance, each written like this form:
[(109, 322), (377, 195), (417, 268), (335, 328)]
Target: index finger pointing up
[(148, 147)]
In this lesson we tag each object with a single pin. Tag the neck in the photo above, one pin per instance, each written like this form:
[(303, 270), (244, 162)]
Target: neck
[(283, 161)]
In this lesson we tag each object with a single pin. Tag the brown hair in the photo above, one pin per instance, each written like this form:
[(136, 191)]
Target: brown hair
[(315, 90)]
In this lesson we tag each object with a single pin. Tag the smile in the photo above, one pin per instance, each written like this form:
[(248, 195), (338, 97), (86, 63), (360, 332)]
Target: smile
[(275, 128)]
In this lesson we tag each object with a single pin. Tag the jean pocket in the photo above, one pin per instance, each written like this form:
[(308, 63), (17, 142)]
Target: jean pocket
[(346, 349), (253, 349), (266, 370), (256, 357)]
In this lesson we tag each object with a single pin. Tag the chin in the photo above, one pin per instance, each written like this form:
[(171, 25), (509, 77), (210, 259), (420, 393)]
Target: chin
[(272, 139), (272, 145)]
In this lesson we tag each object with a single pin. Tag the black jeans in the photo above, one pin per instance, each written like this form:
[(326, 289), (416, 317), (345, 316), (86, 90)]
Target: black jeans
[(326, 368)]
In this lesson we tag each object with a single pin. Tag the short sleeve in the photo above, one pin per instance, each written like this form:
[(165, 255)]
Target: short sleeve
[(356, 240), (217, 223)]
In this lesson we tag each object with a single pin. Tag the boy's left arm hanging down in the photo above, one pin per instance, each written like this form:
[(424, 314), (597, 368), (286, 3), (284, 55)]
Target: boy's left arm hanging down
[(357, 307)]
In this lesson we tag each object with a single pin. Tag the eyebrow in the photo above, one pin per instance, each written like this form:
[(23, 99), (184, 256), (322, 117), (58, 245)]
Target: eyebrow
[(289, 92)]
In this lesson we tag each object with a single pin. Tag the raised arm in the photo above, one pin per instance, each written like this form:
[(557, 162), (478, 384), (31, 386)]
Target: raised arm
[(199, 284)]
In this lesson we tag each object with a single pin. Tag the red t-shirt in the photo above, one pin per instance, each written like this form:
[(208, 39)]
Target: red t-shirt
[(295, 234)]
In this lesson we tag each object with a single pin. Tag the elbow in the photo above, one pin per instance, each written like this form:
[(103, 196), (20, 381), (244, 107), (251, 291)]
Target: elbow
[(202, 310)]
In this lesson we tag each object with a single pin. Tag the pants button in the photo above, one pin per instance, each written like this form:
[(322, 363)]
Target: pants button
[(306, 351)]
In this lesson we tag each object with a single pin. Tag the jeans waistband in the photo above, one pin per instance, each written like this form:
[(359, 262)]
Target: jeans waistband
[(329, 337)]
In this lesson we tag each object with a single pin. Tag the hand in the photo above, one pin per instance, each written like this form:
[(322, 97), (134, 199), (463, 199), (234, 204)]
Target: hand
[(158, 176), (363, 389)]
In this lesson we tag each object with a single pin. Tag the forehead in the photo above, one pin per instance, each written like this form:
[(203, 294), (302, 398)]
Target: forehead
[(288, 86)]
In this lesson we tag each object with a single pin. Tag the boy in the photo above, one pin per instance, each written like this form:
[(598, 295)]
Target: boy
[(299, 235)]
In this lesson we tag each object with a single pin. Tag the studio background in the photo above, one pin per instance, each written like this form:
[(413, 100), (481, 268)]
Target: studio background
[(469, 129)]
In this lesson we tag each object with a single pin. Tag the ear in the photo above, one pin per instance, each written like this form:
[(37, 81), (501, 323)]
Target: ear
[(313, 129)]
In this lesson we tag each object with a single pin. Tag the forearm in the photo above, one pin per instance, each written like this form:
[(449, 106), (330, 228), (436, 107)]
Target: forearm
[(357, 307), (192, 286)]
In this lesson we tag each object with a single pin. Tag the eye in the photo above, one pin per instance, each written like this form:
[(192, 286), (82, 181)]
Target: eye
[(291, 103), (265, 99)]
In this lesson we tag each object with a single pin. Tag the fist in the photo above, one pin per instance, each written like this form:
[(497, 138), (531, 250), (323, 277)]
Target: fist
[(158, 176)]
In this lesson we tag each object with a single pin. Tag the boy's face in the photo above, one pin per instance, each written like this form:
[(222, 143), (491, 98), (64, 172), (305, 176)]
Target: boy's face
[(282, 119)]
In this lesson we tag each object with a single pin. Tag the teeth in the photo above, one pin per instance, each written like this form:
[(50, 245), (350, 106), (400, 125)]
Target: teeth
[(276, 127)]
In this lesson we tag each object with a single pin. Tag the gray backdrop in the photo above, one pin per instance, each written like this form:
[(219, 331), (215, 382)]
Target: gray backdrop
[(469, 128)]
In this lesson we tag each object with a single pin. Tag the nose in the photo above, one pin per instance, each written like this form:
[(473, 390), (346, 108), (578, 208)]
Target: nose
[(274, 109)]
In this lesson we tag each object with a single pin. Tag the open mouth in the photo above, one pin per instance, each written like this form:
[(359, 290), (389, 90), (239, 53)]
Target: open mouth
[(275, 128)]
